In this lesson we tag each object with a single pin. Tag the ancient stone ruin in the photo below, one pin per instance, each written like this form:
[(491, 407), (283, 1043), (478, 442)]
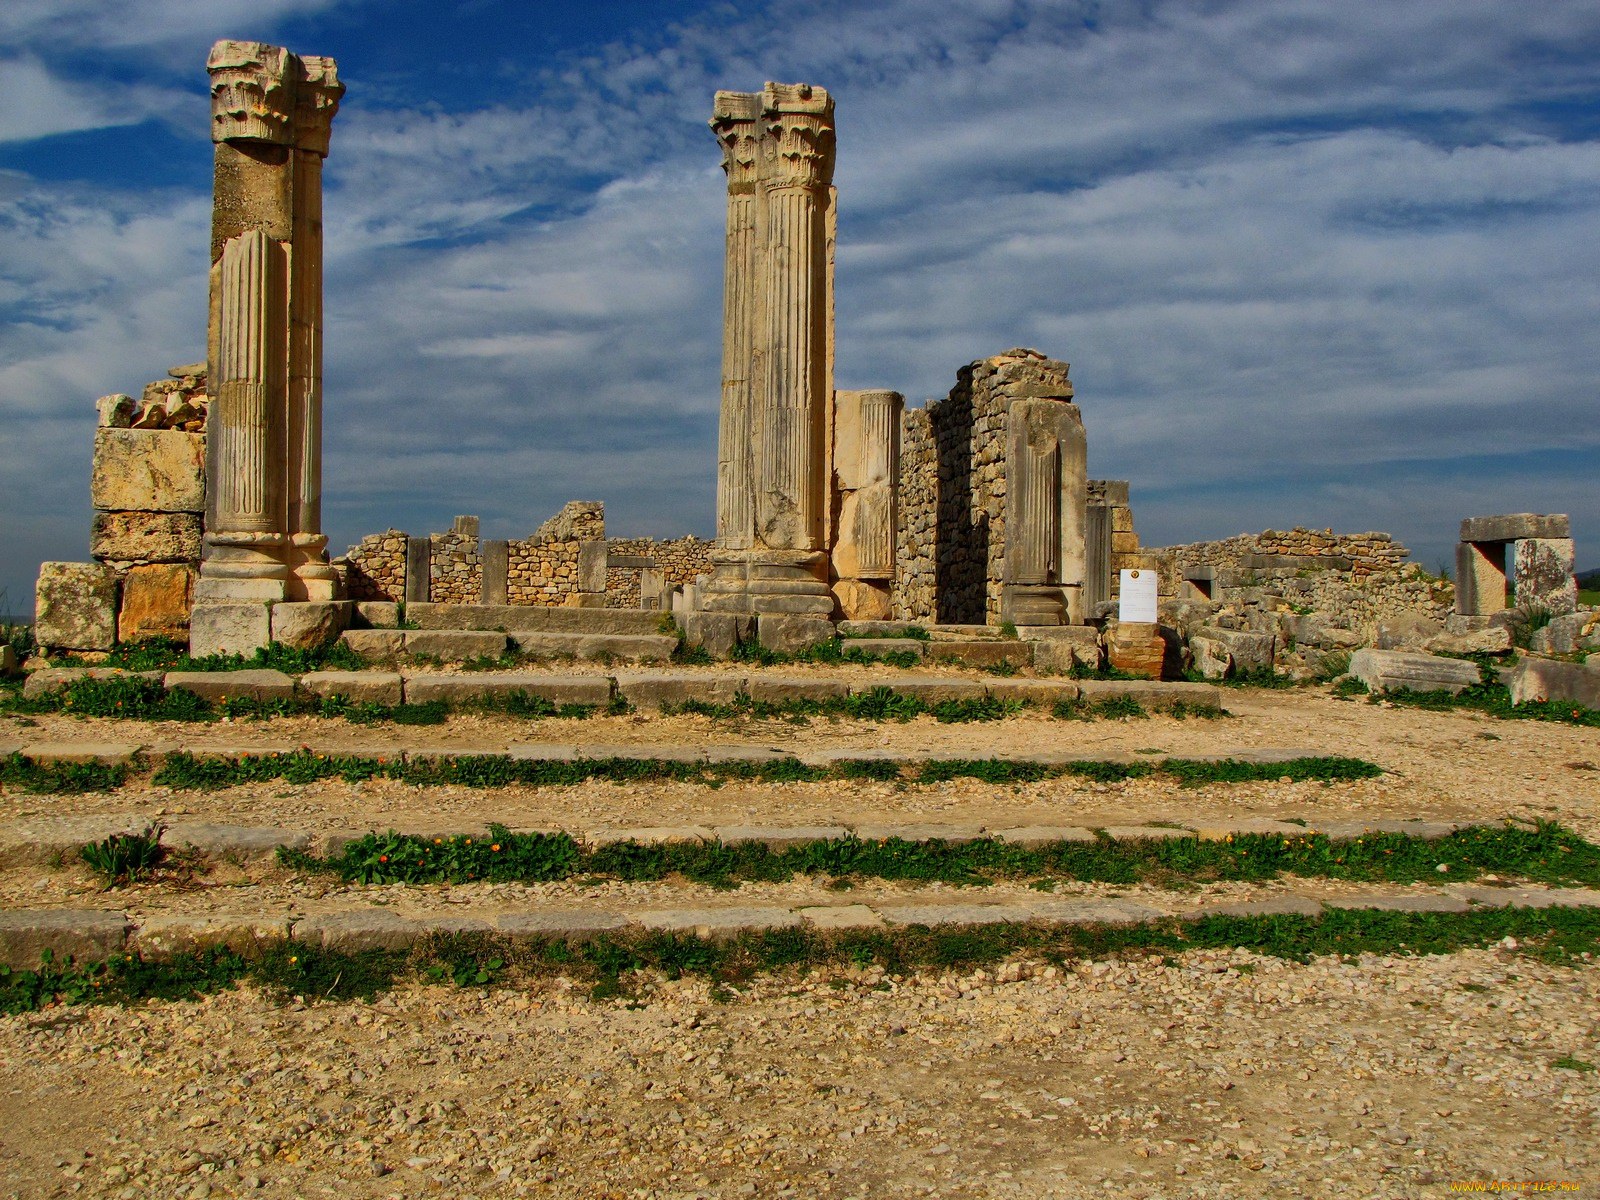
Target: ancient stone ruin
[(969, 513)]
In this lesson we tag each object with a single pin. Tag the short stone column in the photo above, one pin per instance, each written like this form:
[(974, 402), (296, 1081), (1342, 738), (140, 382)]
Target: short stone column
[(271, 113), (1046, 513)]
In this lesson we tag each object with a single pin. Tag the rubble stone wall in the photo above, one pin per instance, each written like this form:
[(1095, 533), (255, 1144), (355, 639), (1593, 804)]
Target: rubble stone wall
[(542, 572), (916, 535), (455, 569), (679, 561), (1368, 553), (376, 568)]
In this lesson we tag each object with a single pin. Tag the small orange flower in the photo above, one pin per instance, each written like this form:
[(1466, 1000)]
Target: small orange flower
[(496, 846), (383, 858)]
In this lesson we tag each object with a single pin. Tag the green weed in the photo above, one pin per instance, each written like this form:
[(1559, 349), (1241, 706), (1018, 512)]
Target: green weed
[(124, 857)]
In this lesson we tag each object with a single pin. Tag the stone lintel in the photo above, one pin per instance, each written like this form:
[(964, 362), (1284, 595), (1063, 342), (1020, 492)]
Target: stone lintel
[(1513, 527)]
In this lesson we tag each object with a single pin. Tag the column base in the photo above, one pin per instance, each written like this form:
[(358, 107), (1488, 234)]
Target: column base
[(1027, 604), (769, 581), (243, 568), (311, 577)]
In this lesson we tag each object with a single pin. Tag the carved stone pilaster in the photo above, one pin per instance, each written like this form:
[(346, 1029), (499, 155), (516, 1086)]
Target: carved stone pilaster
[(1046, 512), (866, 465)]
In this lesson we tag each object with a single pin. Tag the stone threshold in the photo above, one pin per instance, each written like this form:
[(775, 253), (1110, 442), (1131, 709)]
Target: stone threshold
[(88, 935), (40, 840)]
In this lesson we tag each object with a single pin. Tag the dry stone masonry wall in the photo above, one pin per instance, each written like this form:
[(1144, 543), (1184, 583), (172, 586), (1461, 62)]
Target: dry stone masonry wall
[(376, 568)]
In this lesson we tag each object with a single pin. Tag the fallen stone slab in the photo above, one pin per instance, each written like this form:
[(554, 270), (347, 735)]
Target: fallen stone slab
[(559, 923), (51, 680), (36, 841), (558, 689), (1563, 682), (358, 930), (234, 841), (81, 934), (1483, 895), (782, 689), (657, 688), (839, 916), (634, 647), (930, 689), (954, 914), (358, 687), (1396, 670), (1151, 693), (1217, 831), (1429, 903), (953, 834), (1094, 912), (651, 835), (1125, 833), (454, 645), (162, 936), (778, 837), (81, 752), (382, 646), (223, 685), (1042, 835), (708, 922)]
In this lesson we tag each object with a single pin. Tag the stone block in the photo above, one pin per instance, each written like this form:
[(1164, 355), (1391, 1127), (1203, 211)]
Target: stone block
[(376, 614), (714, 922), (1059, 649), (1513, 527), (419, 570), (1544, 577), (955, 914), (983, 653), (1564, 635), (873, 629), (656, 688), (864, 599), (839, 916), (81, 752), (310, 625), (155, 602), (592, 566), (82, 935), (718, 633), (229, 629), (1395, 670), (519, 618), (454, 645), (651, 835), (1042, 835), (1545, 679), (778, 689), (145, 537), (496, 571), (75, 606), (1426, 903), (1094, 912), (636, 647), (1495, 639), (885, 646), (1138, 649), (920, 832), (1042, 693), (1320, 630), (1211, 656), (789, 634), (928, 689), (1407, 630), (1247, 651), (353, 932), (222, 685), (10, 665), (544, 924), (234, 841), (558, 689), (359, 687), (56, 679), (1124, 542), (148, 470), (779, 838), (1151, 693)]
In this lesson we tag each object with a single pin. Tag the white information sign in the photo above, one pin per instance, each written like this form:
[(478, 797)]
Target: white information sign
[(1138, 602)]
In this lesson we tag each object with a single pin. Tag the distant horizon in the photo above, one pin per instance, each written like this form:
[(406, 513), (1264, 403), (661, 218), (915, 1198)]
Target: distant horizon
[(1327, 266)]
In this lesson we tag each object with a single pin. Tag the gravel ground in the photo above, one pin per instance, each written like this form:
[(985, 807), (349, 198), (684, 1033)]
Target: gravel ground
[(1218, 1075)]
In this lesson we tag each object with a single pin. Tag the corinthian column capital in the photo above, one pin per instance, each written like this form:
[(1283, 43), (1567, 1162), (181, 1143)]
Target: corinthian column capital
[(736, 120), (316, 103), (252, 92), (798, 126)]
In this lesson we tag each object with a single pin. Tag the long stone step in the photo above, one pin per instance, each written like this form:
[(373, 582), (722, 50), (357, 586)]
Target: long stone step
[(525, 618), (92, 935)]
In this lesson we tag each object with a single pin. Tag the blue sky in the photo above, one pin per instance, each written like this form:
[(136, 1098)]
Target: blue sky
[(1336, 265)]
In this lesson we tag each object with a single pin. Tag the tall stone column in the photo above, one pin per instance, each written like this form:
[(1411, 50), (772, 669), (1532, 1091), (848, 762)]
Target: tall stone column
[(271, 113), (772, 441), (736, 122)]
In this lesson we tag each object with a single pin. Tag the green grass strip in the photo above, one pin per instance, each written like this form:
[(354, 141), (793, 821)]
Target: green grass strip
[(22, 773), (1563, 936), (1547, 853)]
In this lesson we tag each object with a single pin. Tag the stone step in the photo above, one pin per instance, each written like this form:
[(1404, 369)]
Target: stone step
[(629, 647), (982, 652), (92, 935), (526, 618)]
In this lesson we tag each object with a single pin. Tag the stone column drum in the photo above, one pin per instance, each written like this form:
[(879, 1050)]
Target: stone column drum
[(778, 150)]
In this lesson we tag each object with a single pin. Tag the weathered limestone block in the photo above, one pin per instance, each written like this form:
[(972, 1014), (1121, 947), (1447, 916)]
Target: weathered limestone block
[(1543, 679), (1320, 630), (864, 600), (1394, 670), (592, 566), (75, 606), (789, 634), (1565, 634), (359, 687), (220, 685), (158, 537), (116, 411), (1495, 639), (1211, 656), (229, 629), (1060, 648), (375, 645), (310, 625), (1513, 527), (866, 461), (155, 602), (1544, 575), (377, 614), (450, 645), (148, 470), (1407, 630), (718, 633), (1480, 578)]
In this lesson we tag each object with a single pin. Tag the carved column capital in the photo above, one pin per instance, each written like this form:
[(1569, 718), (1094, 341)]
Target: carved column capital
[(252, 92), (736, 120), (316, 103), (797, 122)]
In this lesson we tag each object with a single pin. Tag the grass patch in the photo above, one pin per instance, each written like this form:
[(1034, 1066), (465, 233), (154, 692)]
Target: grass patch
[(1492, 698), (165, 654), (608, 965), (22, 773)]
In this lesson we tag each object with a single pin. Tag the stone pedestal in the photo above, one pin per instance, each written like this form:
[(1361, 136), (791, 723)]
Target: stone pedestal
[(1138, 649), (768, 581)]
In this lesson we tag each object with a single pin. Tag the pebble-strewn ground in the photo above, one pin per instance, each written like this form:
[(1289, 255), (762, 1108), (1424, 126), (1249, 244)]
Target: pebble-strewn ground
[(1219, 1075)]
